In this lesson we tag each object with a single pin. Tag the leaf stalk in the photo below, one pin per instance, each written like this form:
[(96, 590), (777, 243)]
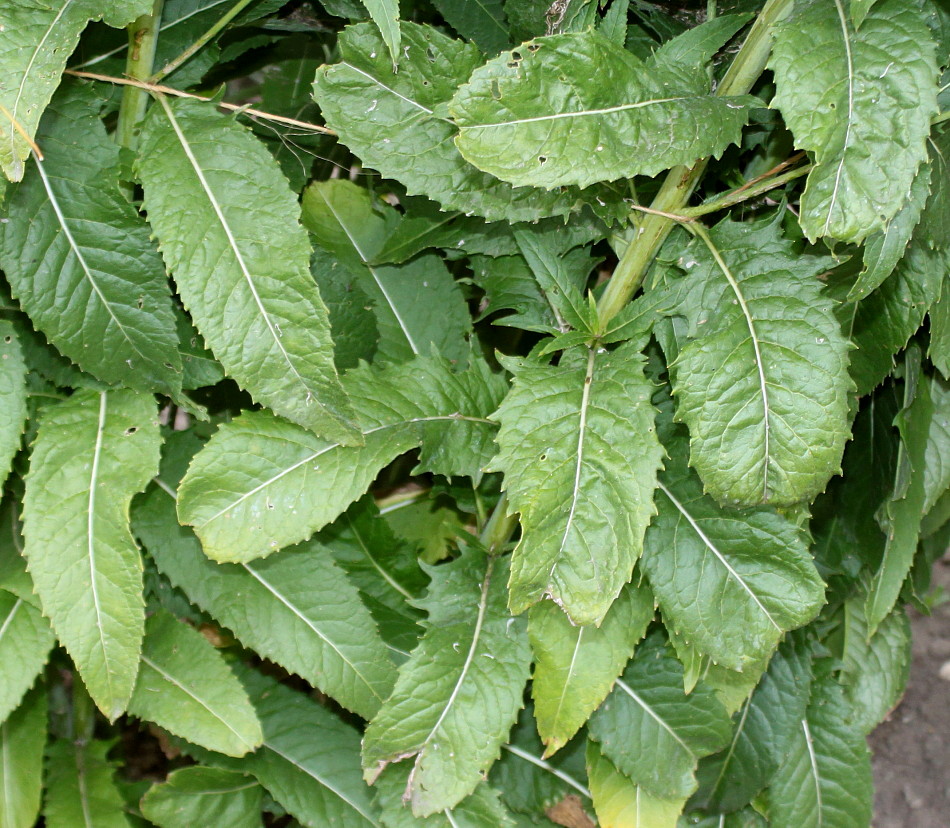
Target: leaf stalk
[(143, 40)]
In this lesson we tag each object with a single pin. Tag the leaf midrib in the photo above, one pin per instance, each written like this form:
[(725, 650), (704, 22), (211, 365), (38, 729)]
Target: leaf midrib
[(584, 113)]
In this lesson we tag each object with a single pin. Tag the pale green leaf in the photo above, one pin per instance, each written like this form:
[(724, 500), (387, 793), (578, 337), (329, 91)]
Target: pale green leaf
[(762, 730), (80, 786), (385, 14), (204, 796), (861, 103), (389, 120), (575, 667), (875, 667), (13, 575), (652, 731), (826, 780), (578, 109), (621, 803), (481, 809), (263, 483), (12, 397), (36, 40), (459, 693), (296, 608), (579, 451), (764, 386), (186, 687), (213, 194), (25, 642), (346, 222), (79, 258), (730, 582), (480, 20), (22, 739), (93, 452)]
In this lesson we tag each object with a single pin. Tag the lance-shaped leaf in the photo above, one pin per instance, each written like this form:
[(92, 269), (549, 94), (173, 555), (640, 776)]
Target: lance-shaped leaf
[(262, 483), (185, 686), (204, 796), (860, 102), (579, 109), (310, 759), (80, 788), (389, 120), (621, 803), (481, 809), (385, 14), (12, 397), (575, 666), (459, 693), (652, 731), (35, 43), (730, 582), (93, 452), (228, 226), (79, 258), (296, 608), (762, 730), (345, 221), (25, 642), (826, 780), (22, 739), (764, 387), (579, 451)]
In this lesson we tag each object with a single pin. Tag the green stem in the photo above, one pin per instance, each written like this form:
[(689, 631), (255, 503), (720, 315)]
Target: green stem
[(680, 182), (84, 712), (940, 118), (738, 196), (498, 530), (143, 38), (200, 43)]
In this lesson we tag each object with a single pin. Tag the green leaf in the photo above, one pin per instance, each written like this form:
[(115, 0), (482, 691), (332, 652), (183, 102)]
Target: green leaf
[(22, 738), (12, 397), (204, 796), (575, 667), (480, 20), (652, 731), (826, 780), (345, 221), (80, 788), (79, 258), (482, 809), (362, 99), (385, 14), (699, 45), (859, 10), (579, 451), (762, 731), (459, 693), (620, 803), (296, 608), (730, 582), (510, 286), (764, 387), (93, 452), (186, 687), (35, 42), (875, 667), (612, 116), (309, 761), (861, 103), (918, 422), (25, 642), (200, 171), (263, 483)]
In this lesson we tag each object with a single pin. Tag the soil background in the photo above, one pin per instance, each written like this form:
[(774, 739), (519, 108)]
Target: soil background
[(912, 748)]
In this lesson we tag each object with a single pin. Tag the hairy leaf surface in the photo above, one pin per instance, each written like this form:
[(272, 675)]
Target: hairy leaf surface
[(579, 451), (860, 102), (764, 386), (79, 258), (227, 223), (459, 693), (22, 739), (204, 796), (93, 452), (263, 483), (612, 116)]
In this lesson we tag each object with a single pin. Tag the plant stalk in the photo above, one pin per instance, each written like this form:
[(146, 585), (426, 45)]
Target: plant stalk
[(500, 526), (680, 182), (143, 39), (744, 194)]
